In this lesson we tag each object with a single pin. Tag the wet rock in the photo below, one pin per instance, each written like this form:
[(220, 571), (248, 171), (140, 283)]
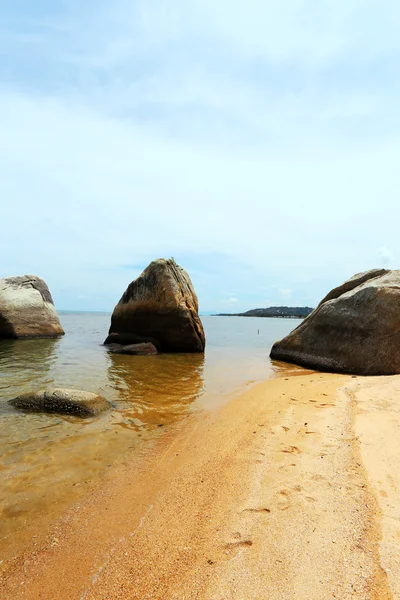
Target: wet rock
[(63, 401), (160, 307), (27, 309), (143, 349), (115, 348), (122, 339), (354, 329)]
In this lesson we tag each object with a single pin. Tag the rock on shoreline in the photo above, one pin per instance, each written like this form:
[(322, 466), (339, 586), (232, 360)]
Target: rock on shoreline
[(160, 307), (27, 309), (143, 349), (354, 329), (62, 401)]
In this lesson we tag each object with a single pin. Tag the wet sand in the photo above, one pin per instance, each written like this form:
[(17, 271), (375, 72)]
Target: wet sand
[(290, 491)]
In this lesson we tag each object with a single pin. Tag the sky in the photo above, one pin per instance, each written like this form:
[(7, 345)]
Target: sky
[(255, 141)]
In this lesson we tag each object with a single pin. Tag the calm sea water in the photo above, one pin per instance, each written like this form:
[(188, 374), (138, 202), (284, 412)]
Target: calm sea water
[(45, 458)]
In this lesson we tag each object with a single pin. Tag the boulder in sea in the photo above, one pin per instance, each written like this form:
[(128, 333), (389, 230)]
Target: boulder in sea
[(62, 401), (143, 349), (355, 328), (160, 307), (27, 309)]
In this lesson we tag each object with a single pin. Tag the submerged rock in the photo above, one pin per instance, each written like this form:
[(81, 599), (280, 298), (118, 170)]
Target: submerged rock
[(354, 329), (144, 349), (63, 401), (160, 307), (27, 309)]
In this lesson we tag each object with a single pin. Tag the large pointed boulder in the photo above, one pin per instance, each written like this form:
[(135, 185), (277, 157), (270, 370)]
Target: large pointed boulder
[(27, 309), (354, 329), (160, 307)]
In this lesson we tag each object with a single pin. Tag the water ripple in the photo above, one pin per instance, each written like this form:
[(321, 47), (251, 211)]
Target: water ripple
[(43, 456)]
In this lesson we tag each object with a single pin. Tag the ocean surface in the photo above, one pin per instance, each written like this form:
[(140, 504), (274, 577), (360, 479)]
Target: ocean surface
[(46, 459)]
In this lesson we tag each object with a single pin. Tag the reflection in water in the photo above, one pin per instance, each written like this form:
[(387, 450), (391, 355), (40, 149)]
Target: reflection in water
[(25, 366), (155, 390), (46, 461)]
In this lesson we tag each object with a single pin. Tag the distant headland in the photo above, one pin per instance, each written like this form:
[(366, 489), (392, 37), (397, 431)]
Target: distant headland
[(286, 312)]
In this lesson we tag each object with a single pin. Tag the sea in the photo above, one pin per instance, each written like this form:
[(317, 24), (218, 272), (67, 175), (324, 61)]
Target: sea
[(46, 460)]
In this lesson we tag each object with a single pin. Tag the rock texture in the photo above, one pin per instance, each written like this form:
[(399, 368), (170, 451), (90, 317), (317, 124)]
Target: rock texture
[(354, 329), (63, 401), (160, 307), (27, 309), (143, 349)]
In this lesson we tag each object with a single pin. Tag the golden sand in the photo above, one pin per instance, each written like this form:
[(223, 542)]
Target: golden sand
[(290, 491)]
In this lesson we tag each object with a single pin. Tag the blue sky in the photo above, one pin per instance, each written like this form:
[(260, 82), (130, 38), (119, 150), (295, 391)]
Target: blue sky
[(257, 142)]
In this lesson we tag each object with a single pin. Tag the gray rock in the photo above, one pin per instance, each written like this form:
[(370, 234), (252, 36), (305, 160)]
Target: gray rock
[(115, 348), (354, 329), (63, 401), (27, 309), (160, 307), (143, 349)]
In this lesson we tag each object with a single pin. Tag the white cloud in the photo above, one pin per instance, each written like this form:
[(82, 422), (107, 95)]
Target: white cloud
[(264, 133), (286, 293), (385, 256), (293, 31)]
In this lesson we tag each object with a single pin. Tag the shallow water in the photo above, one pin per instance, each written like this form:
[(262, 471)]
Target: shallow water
[(46, 459)]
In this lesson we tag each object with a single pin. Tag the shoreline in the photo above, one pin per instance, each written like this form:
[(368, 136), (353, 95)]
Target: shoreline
[(272, 495)]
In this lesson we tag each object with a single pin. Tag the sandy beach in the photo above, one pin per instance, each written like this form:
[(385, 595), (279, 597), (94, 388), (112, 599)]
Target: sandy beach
[(290, 491)]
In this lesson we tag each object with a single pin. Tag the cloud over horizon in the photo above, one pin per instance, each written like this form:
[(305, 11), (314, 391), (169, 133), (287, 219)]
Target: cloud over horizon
[(255, 142)]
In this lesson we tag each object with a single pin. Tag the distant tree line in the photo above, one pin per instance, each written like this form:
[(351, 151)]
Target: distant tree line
[(291, 312)]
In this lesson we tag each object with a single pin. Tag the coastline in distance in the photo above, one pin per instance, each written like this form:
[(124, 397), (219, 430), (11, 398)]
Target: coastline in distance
[(288, 312)]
